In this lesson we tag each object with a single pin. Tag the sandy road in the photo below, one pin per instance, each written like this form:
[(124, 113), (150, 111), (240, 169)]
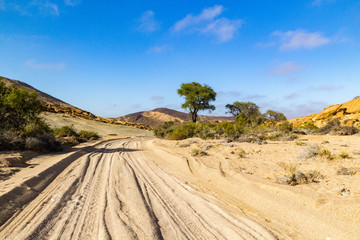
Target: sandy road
[(117, 192)]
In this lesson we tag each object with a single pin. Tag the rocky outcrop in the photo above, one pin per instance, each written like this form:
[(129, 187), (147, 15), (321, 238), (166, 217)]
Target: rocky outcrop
[(348, 113)]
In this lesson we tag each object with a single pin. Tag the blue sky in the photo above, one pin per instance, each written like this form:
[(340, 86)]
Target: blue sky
[(117, 57)]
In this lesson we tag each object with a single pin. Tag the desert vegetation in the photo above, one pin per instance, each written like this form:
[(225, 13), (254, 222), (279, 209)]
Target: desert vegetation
[(250, 126), (22, 128)]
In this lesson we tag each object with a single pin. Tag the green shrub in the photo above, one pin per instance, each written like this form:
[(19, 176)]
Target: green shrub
[(324, 152), (88, 135), (20, 125), (65, 131), (344, 154), (308, 126)]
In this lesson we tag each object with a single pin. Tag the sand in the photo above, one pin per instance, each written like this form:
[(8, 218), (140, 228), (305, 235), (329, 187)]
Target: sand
[(132, 187)]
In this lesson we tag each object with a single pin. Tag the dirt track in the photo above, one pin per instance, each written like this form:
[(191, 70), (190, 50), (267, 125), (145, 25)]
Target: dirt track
[(116, 191)]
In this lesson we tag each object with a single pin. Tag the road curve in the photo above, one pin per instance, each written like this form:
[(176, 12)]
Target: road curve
[(116, 192)]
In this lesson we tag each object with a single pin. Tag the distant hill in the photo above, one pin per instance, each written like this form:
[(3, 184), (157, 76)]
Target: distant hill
[(50, 103), (348, 113), (158, 116), (54, 105)]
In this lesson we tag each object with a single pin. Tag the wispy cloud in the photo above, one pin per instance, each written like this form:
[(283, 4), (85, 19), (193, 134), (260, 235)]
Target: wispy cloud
[(299, 39), (72, 2), (209, 22), (147, 22), (305, 109), (286, 68), (46, 66), (328, 87), (45, 7), (159, 49)]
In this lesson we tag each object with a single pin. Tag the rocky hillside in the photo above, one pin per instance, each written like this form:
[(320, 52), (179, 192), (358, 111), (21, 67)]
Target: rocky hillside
[(348, 113), (54, 105), (157, 117)]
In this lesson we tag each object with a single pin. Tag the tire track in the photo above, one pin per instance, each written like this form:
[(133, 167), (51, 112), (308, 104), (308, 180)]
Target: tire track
[(116, 192)]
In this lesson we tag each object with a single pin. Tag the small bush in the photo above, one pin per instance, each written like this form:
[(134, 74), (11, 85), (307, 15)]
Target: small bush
[(65, 131), (334, 127), (88, 135), (295, 177), (300, 143), (347, 171), (241, 153), (324, 152), (344, 154), (198, 152), (309, 151)]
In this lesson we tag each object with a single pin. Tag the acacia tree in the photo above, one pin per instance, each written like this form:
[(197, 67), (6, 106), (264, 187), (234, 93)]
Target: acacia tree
[(274, 116), (197, 97), (246, 111)]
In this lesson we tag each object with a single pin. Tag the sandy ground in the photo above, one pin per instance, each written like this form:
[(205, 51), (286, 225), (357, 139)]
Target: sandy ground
[(133, 187), (115, 190), (328, 209), (103, 129)]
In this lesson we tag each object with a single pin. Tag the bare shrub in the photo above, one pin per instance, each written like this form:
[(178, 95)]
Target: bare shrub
[(295, 177), (347, 171), (309, 151), (198, 152)]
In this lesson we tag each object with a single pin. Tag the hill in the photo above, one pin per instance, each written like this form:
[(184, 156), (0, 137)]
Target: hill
[(348, 113), (55, 105), (158, 116)]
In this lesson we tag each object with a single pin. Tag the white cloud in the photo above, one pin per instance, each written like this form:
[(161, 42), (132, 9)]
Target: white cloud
[(72, 2), (292, 40), (46, 7), (208, 22), (223, 28), (46, 66), (286, 68), (206, 15), (148, 22), (159, 49)]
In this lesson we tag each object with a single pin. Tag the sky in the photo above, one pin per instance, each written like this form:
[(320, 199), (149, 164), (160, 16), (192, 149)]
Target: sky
[(117, 57)]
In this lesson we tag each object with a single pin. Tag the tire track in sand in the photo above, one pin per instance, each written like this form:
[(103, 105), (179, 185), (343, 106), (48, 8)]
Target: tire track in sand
[(115, 192)]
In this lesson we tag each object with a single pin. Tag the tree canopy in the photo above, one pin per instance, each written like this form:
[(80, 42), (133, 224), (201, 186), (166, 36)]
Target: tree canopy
[(247, 111), (18, 107), (274, 116), (197, 98)]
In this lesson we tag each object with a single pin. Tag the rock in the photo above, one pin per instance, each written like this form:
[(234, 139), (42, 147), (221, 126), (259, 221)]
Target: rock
[(348, 113), (345, 192)]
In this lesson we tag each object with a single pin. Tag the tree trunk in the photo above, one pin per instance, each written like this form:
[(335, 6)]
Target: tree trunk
[(194, 117)]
